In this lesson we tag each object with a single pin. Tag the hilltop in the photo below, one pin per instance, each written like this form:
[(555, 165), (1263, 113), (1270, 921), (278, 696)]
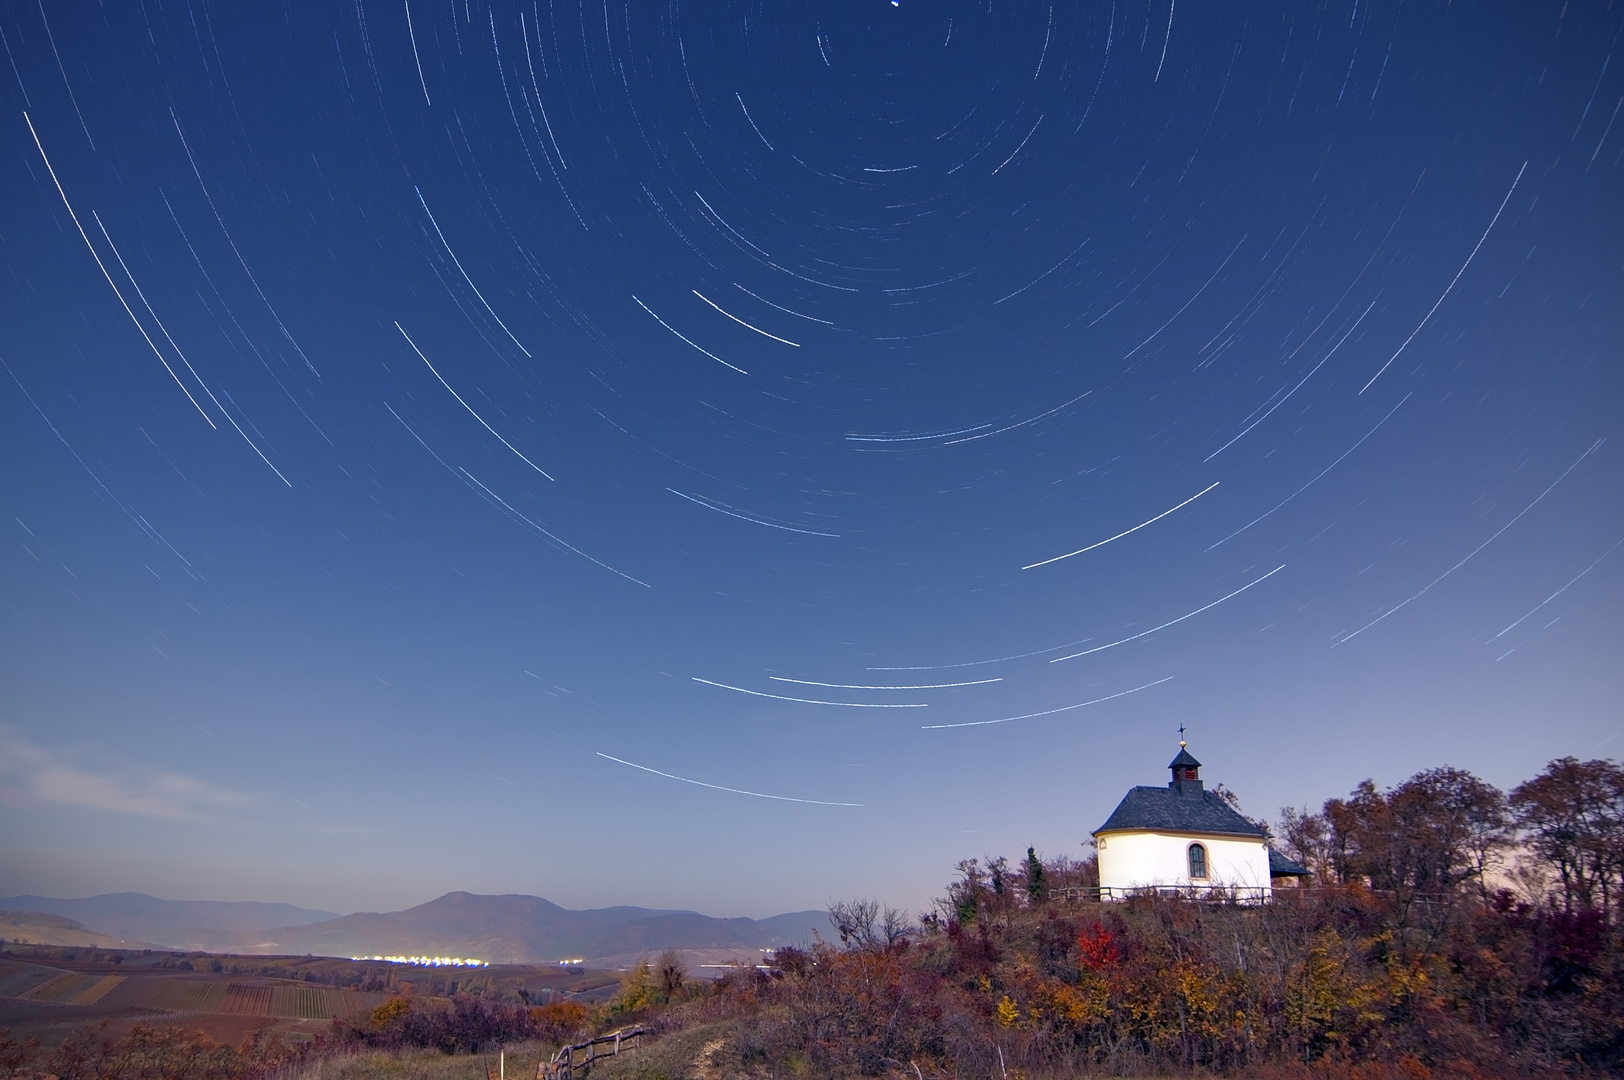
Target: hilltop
[(40, 928)]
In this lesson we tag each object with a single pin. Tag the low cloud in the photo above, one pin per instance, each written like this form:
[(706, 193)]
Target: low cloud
[(41, 775)]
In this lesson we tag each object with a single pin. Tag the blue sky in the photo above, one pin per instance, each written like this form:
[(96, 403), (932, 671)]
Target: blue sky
[(420, 422)]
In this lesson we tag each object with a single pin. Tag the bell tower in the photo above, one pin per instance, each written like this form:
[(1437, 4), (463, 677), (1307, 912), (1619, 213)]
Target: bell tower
[(1186, 773)]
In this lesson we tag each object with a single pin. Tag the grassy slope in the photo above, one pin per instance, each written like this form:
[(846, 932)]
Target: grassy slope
[(426, 1065), (678, 1056)]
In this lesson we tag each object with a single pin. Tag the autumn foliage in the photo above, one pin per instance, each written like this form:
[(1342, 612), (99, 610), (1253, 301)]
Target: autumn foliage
[(150, 1052), (462, 1025), (1315, 984), (1406, 956)]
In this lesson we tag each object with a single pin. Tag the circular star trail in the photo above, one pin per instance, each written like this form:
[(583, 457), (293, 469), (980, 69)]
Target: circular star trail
[(882, 423)]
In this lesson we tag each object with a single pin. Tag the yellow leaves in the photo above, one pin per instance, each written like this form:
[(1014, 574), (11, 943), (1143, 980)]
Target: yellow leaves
[(389, 1013), (1073, 1006), (560, 1016), (1196, 991), (1008, 1011), (1408, 981), (1315, 994), (1240, 1022), (636, 990), (1326, 1002)]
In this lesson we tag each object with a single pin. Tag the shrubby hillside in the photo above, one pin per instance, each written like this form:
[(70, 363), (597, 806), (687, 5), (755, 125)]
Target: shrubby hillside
[(1448, 929)]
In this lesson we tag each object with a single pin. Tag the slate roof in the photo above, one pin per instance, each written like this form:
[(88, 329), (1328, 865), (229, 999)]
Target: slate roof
[(1185, 759), (1280, 866), (1167, 810)]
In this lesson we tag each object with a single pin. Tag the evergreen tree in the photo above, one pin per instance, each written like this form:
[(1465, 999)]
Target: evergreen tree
[(1036, 888)]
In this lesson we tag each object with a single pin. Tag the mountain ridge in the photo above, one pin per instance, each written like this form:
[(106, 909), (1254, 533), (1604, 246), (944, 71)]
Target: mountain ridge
[(501, 928), (151, 918), (515, 928)]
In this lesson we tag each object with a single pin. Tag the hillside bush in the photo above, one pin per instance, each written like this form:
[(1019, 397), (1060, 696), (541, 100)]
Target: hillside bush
[(464, 1025), (151, 1052), (1316, 983)]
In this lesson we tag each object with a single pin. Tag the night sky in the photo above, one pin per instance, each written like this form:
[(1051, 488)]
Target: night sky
[(738, 456)]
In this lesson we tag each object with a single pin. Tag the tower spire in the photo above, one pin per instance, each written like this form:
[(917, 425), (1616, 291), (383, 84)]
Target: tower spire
[(1186, 771)]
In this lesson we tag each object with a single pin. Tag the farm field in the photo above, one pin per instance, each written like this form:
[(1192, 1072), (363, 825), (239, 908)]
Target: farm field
[(48, 992)]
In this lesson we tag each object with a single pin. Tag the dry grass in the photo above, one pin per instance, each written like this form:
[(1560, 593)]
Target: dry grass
[(522, 1062), (696, 1053), (681, 1055)]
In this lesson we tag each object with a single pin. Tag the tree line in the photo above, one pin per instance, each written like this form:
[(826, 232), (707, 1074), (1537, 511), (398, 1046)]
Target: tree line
[(1558, 837)]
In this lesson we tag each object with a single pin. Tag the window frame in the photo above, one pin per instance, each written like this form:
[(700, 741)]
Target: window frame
[(1206, 861)]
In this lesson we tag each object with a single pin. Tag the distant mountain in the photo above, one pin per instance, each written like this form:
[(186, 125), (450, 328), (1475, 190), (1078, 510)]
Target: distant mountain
[(40, 928), (528, 929), (172, 923), (510, 929), (797, 927)]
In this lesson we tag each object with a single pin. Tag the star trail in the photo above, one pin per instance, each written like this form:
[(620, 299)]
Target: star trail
[(901, 416)]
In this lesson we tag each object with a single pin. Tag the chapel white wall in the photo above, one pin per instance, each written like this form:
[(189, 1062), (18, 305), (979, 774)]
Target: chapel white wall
[(1142, 860)]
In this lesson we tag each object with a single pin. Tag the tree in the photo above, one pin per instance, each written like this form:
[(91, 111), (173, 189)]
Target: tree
[(1306, 837), (1036, 888), (1432, 833), (869, 925), (998, 874), (1418, 844), (1574, 816), (671, 971), (853, 920), (967, 895), (1464, 818)]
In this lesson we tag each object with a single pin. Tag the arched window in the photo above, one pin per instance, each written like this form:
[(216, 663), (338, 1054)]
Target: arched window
[(1198, 862)]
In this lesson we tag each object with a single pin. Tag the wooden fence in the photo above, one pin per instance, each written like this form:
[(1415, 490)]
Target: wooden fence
[(1234, 894), (565, 1062)]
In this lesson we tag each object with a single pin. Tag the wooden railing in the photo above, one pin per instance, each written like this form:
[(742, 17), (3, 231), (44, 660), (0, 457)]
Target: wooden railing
[(1235, 894), (1243, 894), (563, 1064)]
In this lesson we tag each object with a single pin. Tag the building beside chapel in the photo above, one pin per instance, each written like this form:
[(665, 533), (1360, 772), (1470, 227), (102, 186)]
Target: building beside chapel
[(1183, 837)]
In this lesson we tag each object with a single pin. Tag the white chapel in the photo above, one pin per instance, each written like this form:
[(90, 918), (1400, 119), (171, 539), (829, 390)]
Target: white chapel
[(1183, 837)]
